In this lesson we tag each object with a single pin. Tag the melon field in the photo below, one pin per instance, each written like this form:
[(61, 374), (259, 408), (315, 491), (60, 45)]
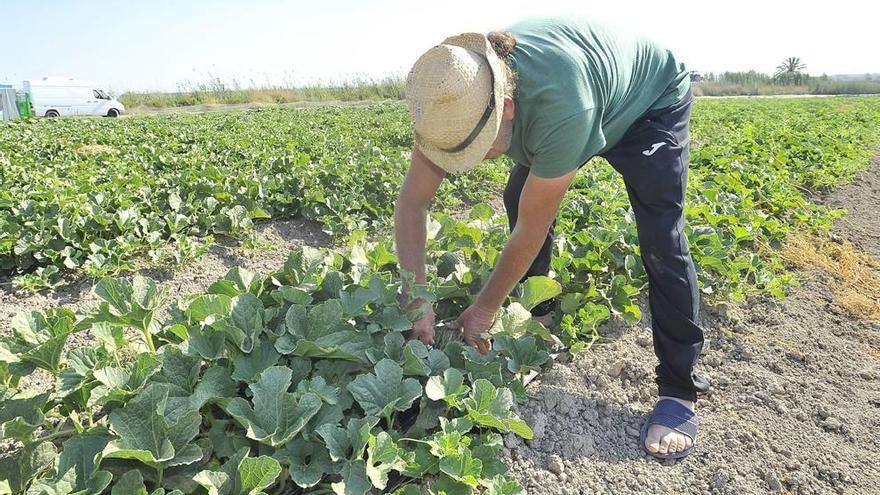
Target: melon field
[(208, 304)]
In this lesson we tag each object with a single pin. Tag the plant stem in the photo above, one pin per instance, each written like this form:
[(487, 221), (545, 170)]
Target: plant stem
[(283, 483), (57, 434), (74, 418), (149, 340)]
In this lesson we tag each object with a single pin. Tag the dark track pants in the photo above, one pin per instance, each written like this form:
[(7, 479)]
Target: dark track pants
[(653, 159)]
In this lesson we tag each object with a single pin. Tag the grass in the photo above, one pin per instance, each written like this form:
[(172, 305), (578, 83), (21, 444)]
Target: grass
[(218, 92), (758, 88), (857, 274)]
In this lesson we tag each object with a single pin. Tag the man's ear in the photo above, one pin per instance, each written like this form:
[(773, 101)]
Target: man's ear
[(509, 108)]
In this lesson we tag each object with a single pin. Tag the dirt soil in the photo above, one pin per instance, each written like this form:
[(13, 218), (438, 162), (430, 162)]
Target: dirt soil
[(795, 404), (794, 408)]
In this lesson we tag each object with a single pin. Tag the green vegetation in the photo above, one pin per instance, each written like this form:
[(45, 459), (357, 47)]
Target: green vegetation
[(788, 81), (303, 376), (97, 196), (218, 92)]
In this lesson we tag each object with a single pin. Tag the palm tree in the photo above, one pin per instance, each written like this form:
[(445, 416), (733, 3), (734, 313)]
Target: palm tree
[(791, 71)]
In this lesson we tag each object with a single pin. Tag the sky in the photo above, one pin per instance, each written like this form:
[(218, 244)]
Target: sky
[(161, 44)]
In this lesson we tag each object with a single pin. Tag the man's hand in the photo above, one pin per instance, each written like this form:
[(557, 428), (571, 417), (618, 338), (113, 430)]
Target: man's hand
[(474, 323), (423, 329)]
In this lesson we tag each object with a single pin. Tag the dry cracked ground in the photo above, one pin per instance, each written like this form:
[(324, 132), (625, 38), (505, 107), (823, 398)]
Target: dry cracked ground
[(794, 408)]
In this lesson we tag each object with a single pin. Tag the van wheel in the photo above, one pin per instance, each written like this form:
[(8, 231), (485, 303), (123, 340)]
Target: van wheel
[(52, 113), (113, 113)]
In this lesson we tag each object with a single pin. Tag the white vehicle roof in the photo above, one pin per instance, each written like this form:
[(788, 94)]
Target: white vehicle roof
[(61, 81)]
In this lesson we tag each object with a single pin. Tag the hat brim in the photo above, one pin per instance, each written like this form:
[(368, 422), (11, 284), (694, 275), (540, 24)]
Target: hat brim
[(475, 153)]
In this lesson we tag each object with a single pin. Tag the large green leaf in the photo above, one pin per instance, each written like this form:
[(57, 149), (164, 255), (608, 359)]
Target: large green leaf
[(21, 414), (276, 415), (309, 461), (347, 443), (118, 384), (384, 391), (491, 406), (536, 290), (516, 321), (522, 353), (244, 323), (25, 465), (146, 436), (323, 331), (129, 303), (383, 456), (449, 387), (257, 473), (37, 340), (354, 479), (77, 468)]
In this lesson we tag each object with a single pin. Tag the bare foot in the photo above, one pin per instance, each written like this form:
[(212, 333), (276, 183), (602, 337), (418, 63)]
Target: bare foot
[(663, 440)]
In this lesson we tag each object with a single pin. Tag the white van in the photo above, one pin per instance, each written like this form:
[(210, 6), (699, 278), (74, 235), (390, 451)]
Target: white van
[(55, 96)]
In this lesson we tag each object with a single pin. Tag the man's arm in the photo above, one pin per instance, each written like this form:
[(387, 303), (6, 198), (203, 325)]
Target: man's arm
[(538, 206), (410, 213), (410, 229)]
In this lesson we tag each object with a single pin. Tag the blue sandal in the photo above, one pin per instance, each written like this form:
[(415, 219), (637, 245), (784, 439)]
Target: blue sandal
[(674, 415)]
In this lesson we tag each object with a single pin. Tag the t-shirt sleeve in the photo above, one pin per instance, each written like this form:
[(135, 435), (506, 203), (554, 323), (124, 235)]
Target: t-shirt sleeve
[(567, 145)]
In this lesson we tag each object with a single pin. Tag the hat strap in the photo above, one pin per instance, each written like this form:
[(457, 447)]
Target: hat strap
[(483, 120)]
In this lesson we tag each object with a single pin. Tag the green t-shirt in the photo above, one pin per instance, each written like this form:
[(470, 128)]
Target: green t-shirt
[(580, 86)]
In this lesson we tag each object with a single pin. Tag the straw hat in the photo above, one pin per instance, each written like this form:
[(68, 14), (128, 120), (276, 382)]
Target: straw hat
[(455, 94)]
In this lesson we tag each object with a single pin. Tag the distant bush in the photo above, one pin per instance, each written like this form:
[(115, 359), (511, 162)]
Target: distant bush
[(754, 83), (217, 91)]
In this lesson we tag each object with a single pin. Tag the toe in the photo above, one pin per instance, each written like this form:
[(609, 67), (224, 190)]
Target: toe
[(679, 443), (652, 440), (688, 443), (664, 444)]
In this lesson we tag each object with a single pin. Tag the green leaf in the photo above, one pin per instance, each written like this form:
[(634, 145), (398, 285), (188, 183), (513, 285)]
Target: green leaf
[(21, 414), (347, 443), (490, 406), (178, 369), (309, 461), (80, 455), (445, 485), (37, 340), (354, 479), (237, 281), (257, 473), (276, 415), (109, 335), (227, 481), (539, 289), (516, 321), (449, 388), (384, 391), (209, 308), (244, 322), (26, 464), (418, 360), (248, 366), (523, 353), (130, 483), (500, 485), (462, 467), (324, 331), (118, 384), (383, 456), (146, 436)]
